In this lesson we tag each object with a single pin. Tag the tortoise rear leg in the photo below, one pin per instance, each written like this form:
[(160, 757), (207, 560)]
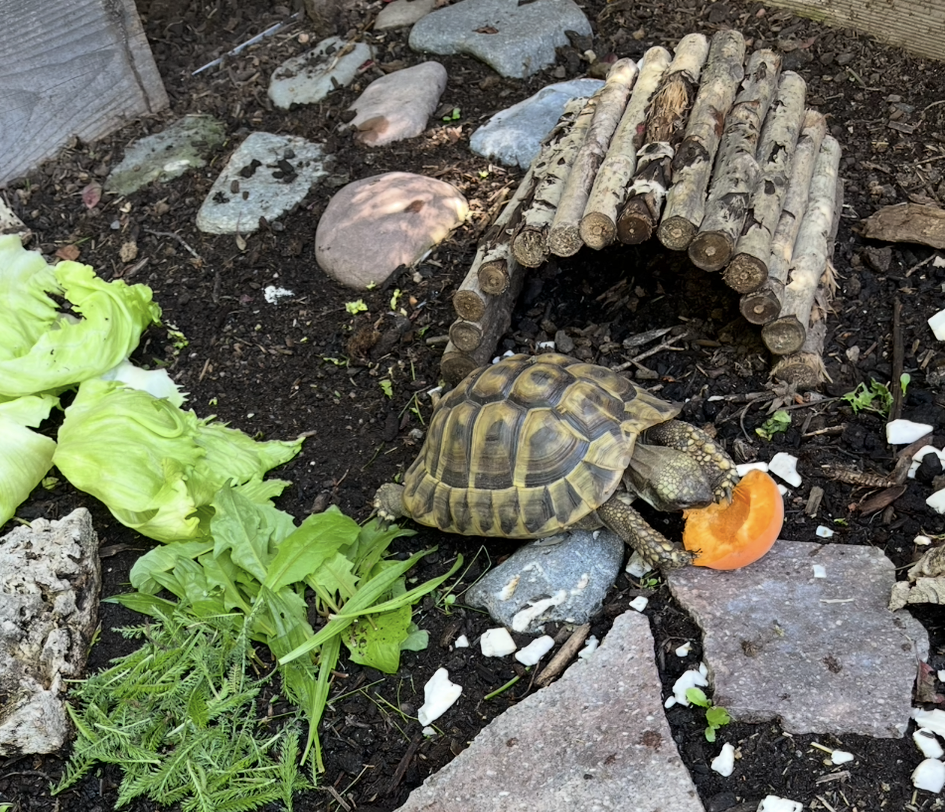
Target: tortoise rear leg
[(618, 515), (718, 466)]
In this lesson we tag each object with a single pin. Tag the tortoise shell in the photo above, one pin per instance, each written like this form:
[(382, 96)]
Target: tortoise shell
[(527, 447)]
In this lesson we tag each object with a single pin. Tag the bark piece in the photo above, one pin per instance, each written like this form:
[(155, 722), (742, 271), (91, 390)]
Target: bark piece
[(764, 305), (907, 222), (564, 237), (551, 167), (812, 250), (736, 173), (692, 165), (748, 269), (668, 109), (599, 224)]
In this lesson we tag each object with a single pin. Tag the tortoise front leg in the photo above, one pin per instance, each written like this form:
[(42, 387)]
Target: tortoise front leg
[(718, 466), (618, 515)]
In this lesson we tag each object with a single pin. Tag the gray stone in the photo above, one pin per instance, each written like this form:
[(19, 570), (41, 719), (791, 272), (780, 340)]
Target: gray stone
[(309, 77), (373, 226), (561, 578), (402, 13), (397, 105), (265, 177), (182, 146), (48, 614), (597, 739), (515, 39), (513, 136), (822, 653)]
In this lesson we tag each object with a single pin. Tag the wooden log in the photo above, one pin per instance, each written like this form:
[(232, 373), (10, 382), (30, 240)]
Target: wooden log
[(469, 301), (671, 102), (564, 236), (736, 173), (805, 368), (497, 264), (787, 333), (456, 365), (599, 223), (748, 269), (764, 304), (530, 241), (692, 165), (486, 331)]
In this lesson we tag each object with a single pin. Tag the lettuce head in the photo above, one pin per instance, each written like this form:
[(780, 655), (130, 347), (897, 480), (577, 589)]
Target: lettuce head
[(157, 467), (25, 455), (42, 348)]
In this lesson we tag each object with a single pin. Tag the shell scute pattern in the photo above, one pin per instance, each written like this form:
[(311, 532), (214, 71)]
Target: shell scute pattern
[(527, 447)]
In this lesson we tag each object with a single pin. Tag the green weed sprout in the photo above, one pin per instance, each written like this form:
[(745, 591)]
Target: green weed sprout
[(715, 715)]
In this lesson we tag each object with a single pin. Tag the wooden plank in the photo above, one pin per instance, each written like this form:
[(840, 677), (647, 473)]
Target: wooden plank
[(916, 26), (71, 67)]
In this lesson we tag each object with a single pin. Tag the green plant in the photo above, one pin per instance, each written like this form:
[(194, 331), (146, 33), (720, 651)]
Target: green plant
[(256, 561), (179, 717), (874, 398), (453, 115), (779, 421), (387, 387), (715, 715), (904, 381), (356, 307)]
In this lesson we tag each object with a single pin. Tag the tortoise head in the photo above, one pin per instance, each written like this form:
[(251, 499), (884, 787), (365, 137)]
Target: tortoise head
[(389, 502)]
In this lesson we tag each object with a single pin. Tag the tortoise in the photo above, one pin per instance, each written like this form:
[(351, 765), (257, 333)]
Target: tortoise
[(534, 445)]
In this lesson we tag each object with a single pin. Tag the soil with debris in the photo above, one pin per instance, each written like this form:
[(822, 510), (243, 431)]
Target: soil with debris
[(308, 365)]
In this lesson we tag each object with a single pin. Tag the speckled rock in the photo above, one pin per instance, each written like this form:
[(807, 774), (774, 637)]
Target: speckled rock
[(402, 13), (311, 76)]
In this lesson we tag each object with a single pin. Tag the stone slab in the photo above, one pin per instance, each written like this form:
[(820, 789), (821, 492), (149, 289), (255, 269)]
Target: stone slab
[(309, 77), (822, 653), (595, 740)]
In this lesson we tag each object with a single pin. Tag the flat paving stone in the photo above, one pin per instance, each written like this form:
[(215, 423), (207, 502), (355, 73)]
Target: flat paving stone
[(265, 177), (513, 136), (824, 654), (515, 39), (182, 146), (595, 740), (402, 13), (309, 77)]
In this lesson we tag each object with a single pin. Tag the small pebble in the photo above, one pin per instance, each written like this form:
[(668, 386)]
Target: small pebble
[(929, 775), (773, 803), (684, 649), (535, 650), (745, 467), (439, 695), (639, 603), (933, 720), (841, 757), (689, 679), (784, 465), (497, 643), (590, 646), (926, 742), (819, 570), (824, 532), (903, 432), (724, 762), (461, 642)]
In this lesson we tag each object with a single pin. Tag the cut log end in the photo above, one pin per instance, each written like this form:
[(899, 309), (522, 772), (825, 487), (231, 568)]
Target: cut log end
[(530, 248), (710, 250), (745, 273), (761, 306), (676, 233), (634, 228), (804, 369), (456, 365), (597, 230), (784, 336), (468, 305), (565, 240), (466, 335), (494, 277)]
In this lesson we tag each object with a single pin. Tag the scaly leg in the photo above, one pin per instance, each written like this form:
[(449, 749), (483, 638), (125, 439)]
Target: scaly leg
[(718, 466), (618, 515)]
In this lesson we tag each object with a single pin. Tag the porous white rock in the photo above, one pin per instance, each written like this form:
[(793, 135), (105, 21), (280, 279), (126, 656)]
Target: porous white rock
[(929, 775), (439, 695), (693, 678), (535, 650), (784, 465)]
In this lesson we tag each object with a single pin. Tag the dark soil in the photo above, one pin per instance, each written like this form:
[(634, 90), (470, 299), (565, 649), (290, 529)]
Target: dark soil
[(307, 365)]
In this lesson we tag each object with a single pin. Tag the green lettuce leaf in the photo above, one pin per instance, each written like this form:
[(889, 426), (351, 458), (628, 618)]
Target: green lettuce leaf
[(25, 458), (43, 349), (157, 467)]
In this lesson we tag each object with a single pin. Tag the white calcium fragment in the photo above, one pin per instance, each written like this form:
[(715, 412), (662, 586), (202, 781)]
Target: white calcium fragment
[(637, 566), (724, 762), (639, 603), (688, 679), (937, 323), (784, 465), (929, 775), (684, 649), (824, 532), (590, 646), (773, 803), (497, 642), (522, 619), (937, 501), (546, 345), (922, 541), (745, 467), (274, 295), (439, 695), (903, 432), (933, 720), (940, 675), (819, 570), (920, 454), (461, 642), (429, 732), (509, 589), (926, 742), (535, 650), (841, 757)]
